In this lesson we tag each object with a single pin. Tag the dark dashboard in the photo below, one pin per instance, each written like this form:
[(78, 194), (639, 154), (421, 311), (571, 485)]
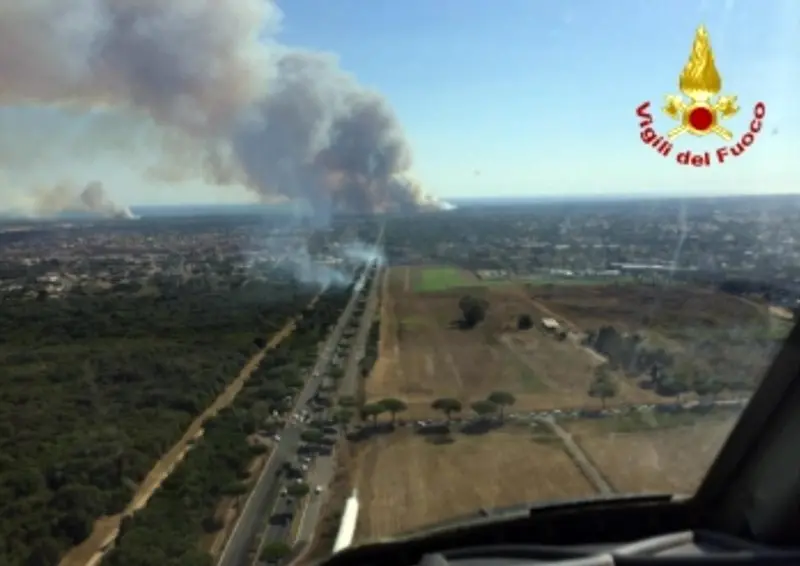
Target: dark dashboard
[(679, 549)]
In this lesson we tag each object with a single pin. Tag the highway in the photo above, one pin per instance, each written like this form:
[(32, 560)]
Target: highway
[(262, 499), (323, 472), (320, 474), (323, 467)]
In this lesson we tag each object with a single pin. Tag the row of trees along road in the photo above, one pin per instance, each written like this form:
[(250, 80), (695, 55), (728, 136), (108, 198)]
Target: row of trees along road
[(495, 404)]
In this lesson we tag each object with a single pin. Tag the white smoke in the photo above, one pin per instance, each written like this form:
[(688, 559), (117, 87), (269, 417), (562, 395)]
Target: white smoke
[(229, 102), (66, 197)]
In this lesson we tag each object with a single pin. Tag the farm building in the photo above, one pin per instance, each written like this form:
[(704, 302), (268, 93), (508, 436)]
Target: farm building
[(550, 324)]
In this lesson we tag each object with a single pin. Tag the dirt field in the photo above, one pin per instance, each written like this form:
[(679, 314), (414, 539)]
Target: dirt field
[(672, 459), (404, 481), (424, 357)]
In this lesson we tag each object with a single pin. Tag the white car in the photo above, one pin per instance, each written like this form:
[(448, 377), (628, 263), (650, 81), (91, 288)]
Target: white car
[(318, 489)]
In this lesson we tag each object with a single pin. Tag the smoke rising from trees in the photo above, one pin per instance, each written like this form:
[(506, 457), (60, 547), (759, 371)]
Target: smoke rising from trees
[(230, 103), (64, 197)]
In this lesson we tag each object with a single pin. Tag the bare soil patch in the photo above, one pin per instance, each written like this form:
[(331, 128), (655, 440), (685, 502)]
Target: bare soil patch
[(405, 481), (781, 312)]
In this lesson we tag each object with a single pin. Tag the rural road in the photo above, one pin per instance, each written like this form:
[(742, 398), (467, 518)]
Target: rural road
[(262, 499)]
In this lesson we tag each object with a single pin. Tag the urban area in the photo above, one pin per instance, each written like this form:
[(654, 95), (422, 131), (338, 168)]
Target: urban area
[(239, 389)]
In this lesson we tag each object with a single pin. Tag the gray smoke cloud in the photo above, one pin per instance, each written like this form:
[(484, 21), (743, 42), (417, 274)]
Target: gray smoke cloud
[(95, 198), (336, 270), (230, 102), (65, 197), (308, 270)]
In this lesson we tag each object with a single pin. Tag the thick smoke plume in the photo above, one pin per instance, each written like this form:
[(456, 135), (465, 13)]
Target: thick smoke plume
[(292, 254), (95, 199), (63, 197), (230, 102), (306, 269)]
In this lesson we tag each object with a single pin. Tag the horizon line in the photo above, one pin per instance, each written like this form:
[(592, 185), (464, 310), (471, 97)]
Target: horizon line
[(556, 197)]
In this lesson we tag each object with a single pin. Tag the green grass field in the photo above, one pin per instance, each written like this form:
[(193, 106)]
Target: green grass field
[(431, 279)]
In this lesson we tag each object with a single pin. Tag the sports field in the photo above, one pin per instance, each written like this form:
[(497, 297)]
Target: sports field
[(433, 279)]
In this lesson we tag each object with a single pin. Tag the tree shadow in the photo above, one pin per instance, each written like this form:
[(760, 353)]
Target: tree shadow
[(433, 430), (480, 426), (461, 324), (440, 439), (370, 431)]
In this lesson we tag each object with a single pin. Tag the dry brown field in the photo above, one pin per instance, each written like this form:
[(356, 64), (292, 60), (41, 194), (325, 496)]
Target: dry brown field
[(725, 334), (404, 481), (424, 357), (666, 459)]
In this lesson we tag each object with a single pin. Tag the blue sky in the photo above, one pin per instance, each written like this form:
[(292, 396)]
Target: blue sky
[(539, 97)]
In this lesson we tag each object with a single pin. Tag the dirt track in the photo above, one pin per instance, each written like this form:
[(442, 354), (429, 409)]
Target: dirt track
[(106, 529)]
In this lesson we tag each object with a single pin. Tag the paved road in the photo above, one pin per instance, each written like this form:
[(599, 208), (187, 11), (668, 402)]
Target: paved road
[(325, 466), (262, 499), (321, 474), (282, 505), (323, 469)]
